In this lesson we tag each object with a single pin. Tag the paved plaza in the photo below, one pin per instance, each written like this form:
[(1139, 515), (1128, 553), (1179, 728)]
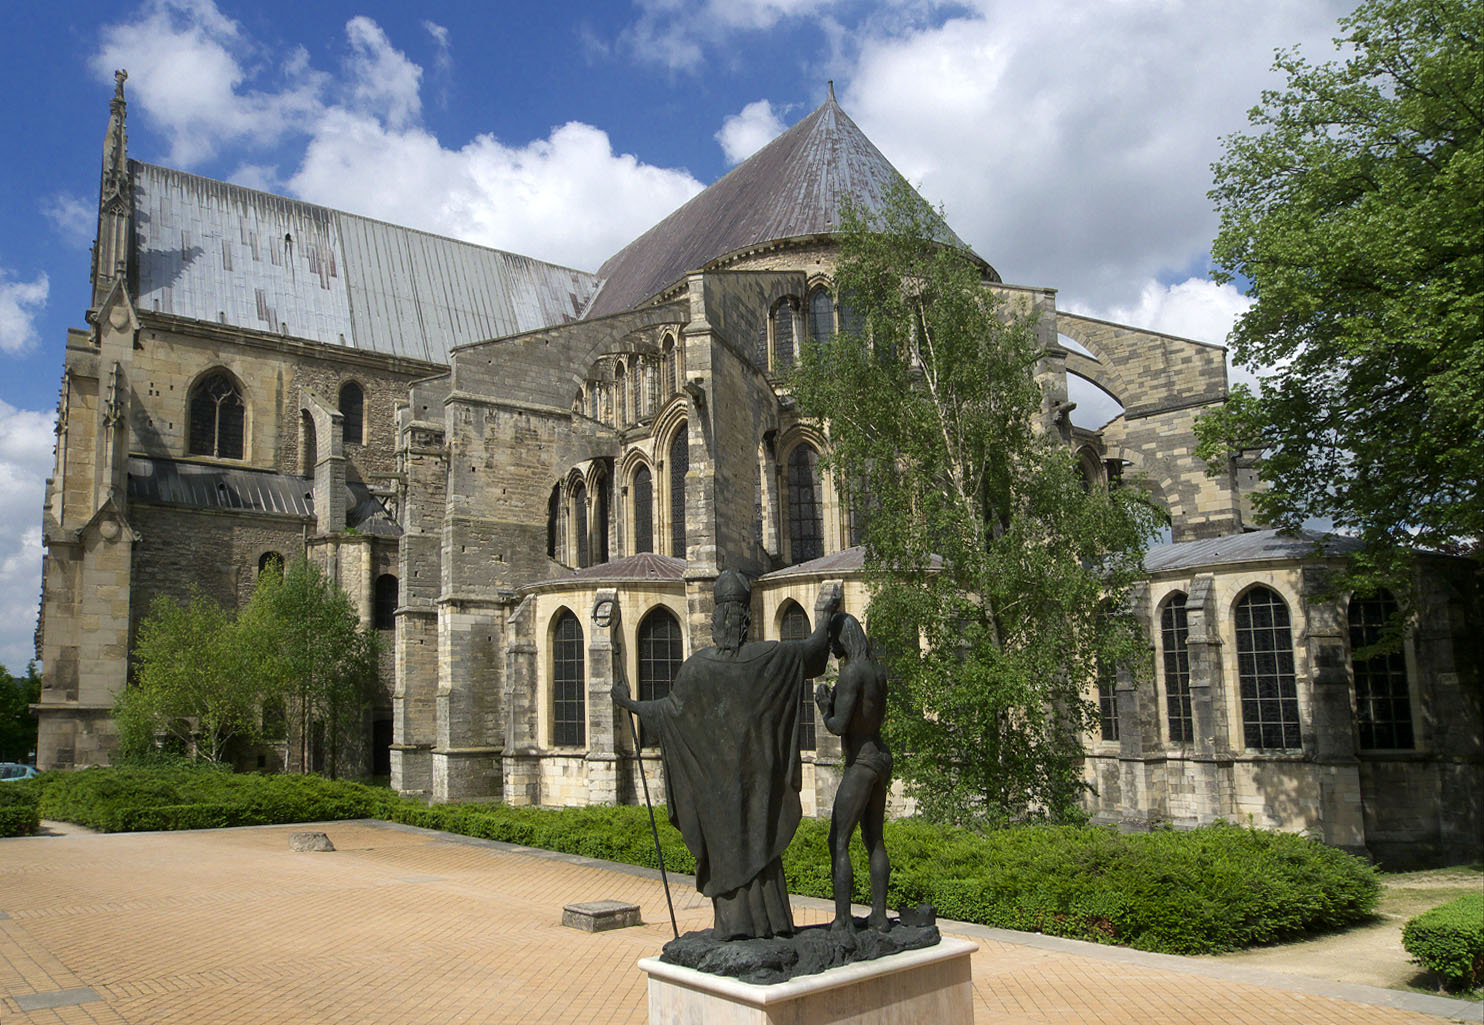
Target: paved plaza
[(409, 926)]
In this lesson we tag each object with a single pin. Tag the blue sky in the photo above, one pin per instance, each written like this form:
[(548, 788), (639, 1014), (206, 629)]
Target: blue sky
[(1069, 140)]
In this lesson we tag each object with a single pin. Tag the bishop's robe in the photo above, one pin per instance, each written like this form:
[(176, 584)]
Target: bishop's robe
[(729, 742)]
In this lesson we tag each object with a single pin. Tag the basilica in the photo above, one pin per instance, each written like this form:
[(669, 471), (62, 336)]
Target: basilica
[(528, 478)]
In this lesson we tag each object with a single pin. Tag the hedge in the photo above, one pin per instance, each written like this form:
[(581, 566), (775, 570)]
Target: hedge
[(1449, 940), (118, 800), (1206, 890), (18, 809)]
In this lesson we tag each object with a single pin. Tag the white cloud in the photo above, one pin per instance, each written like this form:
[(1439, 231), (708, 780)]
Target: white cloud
[(75, 219), (568, 198), (678, 35), (185, 73), (27, 438), (383, 81), (20, 304), (1071, 142), (743, 134)]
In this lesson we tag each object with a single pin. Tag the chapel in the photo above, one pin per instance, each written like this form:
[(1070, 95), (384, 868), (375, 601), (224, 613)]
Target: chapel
[(528, 477)]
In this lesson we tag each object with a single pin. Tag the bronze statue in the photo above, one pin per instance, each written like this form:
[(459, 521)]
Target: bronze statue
[(853, 711), (728, 734)]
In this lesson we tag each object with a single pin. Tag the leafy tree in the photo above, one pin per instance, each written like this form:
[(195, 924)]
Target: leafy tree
[(308, 642), (999, 584), (194, 690), (17, 724), (1355, 208)]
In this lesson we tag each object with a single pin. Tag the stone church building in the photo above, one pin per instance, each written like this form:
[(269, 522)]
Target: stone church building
[(528, 478)]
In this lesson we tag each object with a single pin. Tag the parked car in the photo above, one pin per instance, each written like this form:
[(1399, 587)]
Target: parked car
[(12, 771)]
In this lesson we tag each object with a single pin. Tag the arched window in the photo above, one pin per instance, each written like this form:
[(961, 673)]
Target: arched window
[(600, 520), (384, 605), (1107, 705), (821, 316), (217, 416), (669, 367), (308, 444), (860, 506), (352, 402), (568, 689), (1270, 719), (1383, 704), (579, 522), (851, 322), (270, 562), (805, 515), (621, 394), (636, 387), (553, 514), (643, 492), (660, 656), (783, 337), (1087, 468), (679, 465), (1174, 638), (793, 625)]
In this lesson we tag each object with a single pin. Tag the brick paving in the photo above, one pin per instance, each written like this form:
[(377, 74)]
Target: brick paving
[(408, 926)]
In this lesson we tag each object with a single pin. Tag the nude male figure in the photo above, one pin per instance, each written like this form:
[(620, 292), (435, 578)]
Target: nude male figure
[(853, 711)]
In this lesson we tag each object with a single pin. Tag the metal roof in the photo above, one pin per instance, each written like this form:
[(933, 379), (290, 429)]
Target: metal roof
[(209, 486), (230, 255), (794, 186), (1253, 546), (845, 561), (644, 566)]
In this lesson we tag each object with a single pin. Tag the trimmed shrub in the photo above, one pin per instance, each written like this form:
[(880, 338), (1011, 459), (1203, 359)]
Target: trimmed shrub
[(118, 800), (1449, 940), (18, 809)]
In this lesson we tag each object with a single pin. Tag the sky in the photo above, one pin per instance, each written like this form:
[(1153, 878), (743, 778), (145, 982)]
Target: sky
[(1068, 141)]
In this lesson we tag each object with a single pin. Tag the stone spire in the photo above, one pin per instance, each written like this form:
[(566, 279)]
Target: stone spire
[(115, 205)]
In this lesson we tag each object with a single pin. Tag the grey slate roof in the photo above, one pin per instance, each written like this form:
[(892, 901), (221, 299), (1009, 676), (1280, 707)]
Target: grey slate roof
[(791, 187), (209, 486), (217, 252), (1254, 546)]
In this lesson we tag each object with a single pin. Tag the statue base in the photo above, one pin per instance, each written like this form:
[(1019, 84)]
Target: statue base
[(931, 984)]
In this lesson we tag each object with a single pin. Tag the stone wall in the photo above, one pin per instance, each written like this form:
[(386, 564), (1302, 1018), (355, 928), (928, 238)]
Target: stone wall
[(1412, 807), (175, 353)]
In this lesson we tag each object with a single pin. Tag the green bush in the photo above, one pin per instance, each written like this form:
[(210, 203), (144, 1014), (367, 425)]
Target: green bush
[(18, 809), (1449, 940), (1205, 890)]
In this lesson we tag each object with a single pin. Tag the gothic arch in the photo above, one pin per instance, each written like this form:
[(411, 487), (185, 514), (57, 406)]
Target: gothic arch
[(218, 415), (636, 487), (352, 405)]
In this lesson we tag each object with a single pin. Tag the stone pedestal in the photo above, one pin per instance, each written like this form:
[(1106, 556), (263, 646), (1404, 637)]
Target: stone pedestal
[(928, 985)]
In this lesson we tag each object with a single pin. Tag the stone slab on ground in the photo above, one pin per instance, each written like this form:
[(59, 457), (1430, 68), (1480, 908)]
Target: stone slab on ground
[(307, 841), (601, 915)]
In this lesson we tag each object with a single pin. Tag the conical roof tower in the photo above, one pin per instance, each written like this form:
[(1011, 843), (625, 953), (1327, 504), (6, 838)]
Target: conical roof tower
[(794, 187)]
